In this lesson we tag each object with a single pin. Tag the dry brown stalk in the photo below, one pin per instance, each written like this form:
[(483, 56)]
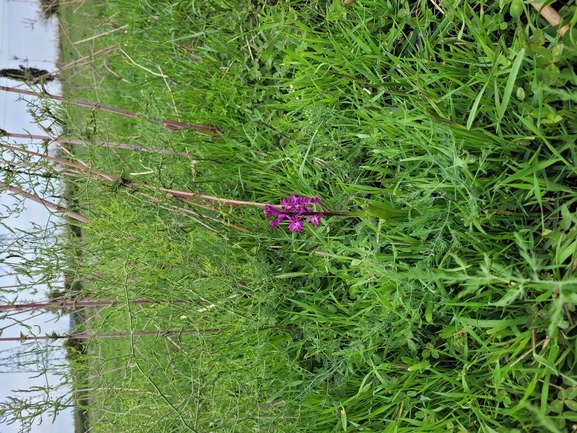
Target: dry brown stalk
[(192, 203), (46, 203), (211, 199), (99, 35), (80, 303), (551, 15), (92, 143), (172, 207), (85, 336), (82, 59), (181, 195), (63, 162), (172, 125)]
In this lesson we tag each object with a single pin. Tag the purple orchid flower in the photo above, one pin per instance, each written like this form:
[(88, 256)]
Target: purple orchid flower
[(295, 225), (295, 208), (315, 219)]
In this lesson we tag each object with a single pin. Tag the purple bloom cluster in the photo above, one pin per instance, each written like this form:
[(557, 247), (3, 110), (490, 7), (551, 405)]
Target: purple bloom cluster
[(294, 209)]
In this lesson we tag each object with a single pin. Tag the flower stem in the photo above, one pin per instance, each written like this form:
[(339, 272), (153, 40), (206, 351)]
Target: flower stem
[(345, 214)]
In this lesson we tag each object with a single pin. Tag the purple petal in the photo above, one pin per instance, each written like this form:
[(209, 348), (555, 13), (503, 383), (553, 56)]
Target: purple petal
[(315, 219), (296, 225), (270, 210), (303, 201), (299, 211), (295, 208)]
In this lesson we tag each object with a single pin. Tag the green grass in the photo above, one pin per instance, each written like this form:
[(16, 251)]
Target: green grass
[(459, 318)]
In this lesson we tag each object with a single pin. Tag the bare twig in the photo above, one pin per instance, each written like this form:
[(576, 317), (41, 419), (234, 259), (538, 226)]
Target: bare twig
[(80, 303), (63, 162), (142, 67), (85, 336), (168, 124), (437, 7), (551, 15), (181, 195), (170, 92), (82, 59), (92, 143), (46, 203), (105, 64), (99, 35)]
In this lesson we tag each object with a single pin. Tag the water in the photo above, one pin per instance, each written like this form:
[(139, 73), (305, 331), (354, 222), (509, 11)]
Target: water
[(27, 41)]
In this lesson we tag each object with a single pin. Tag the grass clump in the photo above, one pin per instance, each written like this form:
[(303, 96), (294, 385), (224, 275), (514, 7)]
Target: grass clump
[(458, 317)]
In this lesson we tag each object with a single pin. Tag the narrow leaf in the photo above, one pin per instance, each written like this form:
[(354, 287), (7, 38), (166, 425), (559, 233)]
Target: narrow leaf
[(473, 113), (510, 85)]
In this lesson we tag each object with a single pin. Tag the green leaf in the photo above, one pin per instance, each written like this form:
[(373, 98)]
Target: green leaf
[(543, 56), (429, 312), (421, 366), (516, 8), (557, 52), (570, 39), (556, 406), (343, 417), (292, 275), (383, 298), (510, 297), (475, 106), (510, 86), (546, 363), (551, 74), (571, 404), (386, 211), (571, 416)]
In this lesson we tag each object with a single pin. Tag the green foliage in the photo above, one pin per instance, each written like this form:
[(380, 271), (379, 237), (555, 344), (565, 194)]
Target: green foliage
[(449, 307)]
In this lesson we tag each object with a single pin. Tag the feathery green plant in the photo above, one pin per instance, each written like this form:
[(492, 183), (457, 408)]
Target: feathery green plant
[(456, 317)]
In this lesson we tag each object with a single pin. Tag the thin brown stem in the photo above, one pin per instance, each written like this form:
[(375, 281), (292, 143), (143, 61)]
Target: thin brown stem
[(181, 195), (82, 59), (172, 125), (46, 203), (80, 303), (85, 336), (61, 162), (92, 143)]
